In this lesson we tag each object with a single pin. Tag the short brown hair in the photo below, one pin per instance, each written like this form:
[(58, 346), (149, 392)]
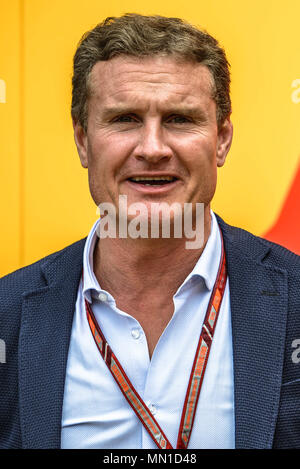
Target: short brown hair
[(146, 36)]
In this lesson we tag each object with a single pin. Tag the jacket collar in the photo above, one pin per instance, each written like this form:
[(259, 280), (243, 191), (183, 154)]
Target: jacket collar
[(258, 297)]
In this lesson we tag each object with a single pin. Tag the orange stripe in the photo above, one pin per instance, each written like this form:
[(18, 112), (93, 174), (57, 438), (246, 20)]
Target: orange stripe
[(193, 392), (92, 325), (212, 316), (198, 371), (217, 299), (200, 362), (125, 387), (119, 377), (98, 338), (144, 415)]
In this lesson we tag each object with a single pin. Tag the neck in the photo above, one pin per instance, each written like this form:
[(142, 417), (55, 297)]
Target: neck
[(125, 266)]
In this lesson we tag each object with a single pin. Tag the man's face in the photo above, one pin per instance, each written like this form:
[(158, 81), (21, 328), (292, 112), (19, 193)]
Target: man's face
[(149, 118)]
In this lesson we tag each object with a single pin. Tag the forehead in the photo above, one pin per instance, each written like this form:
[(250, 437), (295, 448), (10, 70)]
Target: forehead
[(126, 78)]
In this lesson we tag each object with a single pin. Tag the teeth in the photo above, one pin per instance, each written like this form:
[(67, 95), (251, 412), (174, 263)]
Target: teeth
[(153, 178)]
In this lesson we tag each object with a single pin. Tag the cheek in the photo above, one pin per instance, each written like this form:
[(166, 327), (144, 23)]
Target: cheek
[(100, 163), (109, 151), (199, 156), (106, 158), (98, 170), (200, 162)]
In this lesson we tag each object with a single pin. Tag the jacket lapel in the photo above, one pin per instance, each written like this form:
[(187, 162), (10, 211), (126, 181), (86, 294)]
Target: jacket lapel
[(47, 316), (258, 296)]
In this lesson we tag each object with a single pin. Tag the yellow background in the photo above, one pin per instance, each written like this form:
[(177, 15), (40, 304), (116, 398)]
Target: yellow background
[(45, 200)]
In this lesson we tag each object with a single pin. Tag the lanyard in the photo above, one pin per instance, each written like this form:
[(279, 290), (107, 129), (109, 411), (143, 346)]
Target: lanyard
[(196, 376)]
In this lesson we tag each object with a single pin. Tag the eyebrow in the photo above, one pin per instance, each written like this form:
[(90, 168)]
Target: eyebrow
[(182, 110), (187, 111), (115, 110)]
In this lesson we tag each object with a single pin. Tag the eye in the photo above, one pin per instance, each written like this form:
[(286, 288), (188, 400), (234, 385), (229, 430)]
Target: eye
[(125, 118), (178, 119)]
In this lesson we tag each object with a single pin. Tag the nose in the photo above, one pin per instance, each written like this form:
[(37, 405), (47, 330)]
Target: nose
[(152, 146)]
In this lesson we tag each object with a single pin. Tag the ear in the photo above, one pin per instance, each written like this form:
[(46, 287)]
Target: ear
[(225, 133), (80, 137)]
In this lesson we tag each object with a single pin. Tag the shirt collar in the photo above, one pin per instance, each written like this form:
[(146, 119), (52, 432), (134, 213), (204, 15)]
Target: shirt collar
[(91, 284), (205, 268), (208, 263)]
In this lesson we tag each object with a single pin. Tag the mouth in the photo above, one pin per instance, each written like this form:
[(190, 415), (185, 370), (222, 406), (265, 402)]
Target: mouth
[(153, 186), (153, 180)]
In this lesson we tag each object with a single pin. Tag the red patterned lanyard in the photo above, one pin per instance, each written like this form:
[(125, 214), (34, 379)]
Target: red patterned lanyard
[(196, 376)]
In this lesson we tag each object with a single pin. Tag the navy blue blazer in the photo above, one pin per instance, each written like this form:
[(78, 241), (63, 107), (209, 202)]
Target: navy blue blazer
[(37, 304)]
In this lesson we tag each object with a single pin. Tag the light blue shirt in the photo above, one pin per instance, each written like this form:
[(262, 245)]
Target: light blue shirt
[(95, 412)]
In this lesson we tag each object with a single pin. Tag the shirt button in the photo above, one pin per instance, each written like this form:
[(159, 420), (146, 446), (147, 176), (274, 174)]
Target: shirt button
[(152, 409), (135, 333), (102, 296)]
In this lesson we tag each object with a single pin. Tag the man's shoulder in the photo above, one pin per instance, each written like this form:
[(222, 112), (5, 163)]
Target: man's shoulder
[(31, 277), (252, 246)]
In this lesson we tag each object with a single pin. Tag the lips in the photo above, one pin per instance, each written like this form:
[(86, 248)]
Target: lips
[(152, 180), (153, 185)]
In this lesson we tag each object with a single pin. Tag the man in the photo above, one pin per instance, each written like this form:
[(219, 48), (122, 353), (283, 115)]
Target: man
[(140, 342)]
